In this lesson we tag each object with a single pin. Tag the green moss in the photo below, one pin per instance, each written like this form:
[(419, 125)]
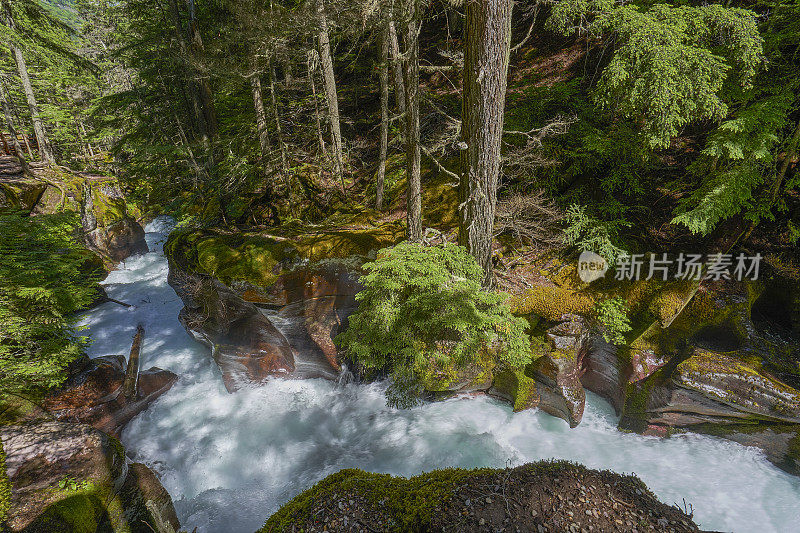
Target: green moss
[(107, 210), (435, 376), (409, 502), (259, 258), (519, 387)]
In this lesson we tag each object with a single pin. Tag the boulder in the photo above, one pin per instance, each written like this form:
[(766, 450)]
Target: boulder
[(558, 386), (72, 477), (725, 394), (316, 303), (20, 194), (602, 373), (557, 373), (245, 344), (93, 394), (147, 505), (517, 388), (119, 240)]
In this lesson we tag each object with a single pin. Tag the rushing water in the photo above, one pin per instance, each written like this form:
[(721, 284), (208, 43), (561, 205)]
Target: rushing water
[(230, 460)]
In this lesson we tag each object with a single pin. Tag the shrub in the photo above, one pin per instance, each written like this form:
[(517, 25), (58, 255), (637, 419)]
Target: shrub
[(613, 317), (588, 233), (422, 307)]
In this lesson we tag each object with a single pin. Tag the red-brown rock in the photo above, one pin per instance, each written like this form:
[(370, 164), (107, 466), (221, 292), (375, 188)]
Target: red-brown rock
[(93, 394)]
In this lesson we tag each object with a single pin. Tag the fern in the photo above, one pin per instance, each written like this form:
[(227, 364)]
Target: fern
[(45, 277), (738, 154)]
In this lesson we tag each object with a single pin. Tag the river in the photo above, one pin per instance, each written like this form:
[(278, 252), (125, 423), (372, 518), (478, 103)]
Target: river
[(230, 460)]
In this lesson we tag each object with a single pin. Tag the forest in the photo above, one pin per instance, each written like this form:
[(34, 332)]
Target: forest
[(323, 220)]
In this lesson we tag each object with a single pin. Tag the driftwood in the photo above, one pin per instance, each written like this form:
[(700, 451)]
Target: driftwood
[(132, 372)]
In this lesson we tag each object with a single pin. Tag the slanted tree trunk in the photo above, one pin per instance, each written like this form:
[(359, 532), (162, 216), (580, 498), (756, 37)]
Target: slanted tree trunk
[(411, 28), (45, 150), (487, 41), (383, 75), (312, 63), (12, 130), (397, 69), (332, 97), (278, 129), (261, 114)]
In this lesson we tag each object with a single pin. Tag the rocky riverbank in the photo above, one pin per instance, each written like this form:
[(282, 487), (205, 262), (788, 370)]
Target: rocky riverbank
[(720, 358)]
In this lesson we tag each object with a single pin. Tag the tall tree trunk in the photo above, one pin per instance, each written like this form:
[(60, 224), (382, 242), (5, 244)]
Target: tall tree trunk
[(326, 61), (204, 86), (312, 62), (22, 68), (12, 130), (487, 41), (397, 69), (190, 87), (383, 74), (278, 129), (413, 155), (261, 114)]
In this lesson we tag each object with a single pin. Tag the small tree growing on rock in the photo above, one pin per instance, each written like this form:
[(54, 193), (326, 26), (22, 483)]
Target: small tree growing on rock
[(422, 310)]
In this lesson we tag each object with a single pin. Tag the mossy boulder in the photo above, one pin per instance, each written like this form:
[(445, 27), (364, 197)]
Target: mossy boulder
[(456, 500), (477, 376), (728, 394), (20, 194), (516, 387), (67, 477)]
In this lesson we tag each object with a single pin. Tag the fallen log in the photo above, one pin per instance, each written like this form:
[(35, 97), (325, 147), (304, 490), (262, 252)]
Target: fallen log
[(132, 371)]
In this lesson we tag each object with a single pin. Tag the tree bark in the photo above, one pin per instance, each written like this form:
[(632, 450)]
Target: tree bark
[(12, 130), (190, 87), (487, 41), (411, 28), (329, 77), (278, 129), (383, 75), (397, 69), (204, 86), (311, 69), (45, 150), (261, 114)]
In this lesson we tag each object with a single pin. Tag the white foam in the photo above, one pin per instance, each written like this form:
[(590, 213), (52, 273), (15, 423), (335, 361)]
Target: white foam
[(230, 460)]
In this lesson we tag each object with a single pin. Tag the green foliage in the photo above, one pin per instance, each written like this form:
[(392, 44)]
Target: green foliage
[(588, 233), (5, 488), (738, 154), (43, 282), (423, 306), (670, 63), (612, 314)]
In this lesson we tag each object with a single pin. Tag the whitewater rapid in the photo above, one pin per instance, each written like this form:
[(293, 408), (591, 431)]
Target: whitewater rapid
[(230, 460)]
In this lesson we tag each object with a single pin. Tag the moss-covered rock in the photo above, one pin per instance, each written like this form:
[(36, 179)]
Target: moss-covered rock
[(457, 500), (516, 387), (63, 478), (67, 477), (21, 194), (725, 394)]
